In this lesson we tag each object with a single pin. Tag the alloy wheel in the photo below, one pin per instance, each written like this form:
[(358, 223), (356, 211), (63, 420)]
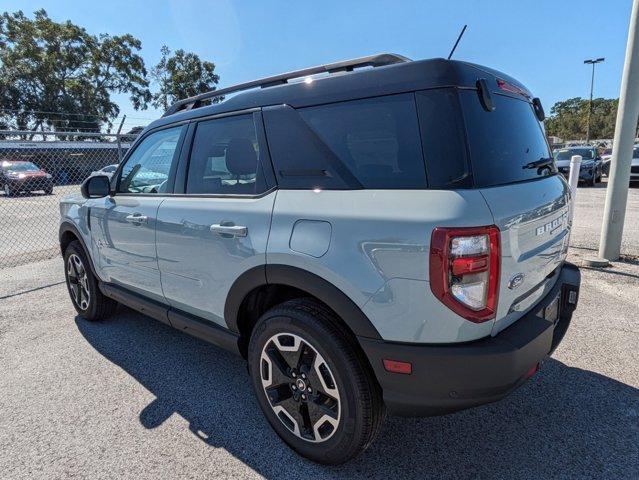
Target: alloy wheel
[(300, 387), (78, 281)]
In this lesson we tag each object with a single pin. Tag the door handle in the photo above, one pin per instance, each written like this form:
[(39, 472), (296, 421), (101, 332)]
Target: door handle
[(230, 230), (137, 219)]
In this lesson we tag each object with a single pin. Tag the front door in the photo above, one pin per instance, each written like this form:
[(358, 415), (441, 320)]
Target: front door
[(219, 228), (123, 225)]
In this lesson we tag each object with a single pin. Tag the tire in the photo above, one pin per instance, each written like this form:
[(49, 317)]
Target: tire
[(339, 379), (592, 181), (8, 191), (48, 190), (82, 285)]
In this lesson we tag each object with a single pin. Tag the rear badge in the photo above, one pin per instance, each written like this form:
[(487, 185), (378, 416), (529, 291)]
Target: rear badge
[(516, 280), (552, 226)]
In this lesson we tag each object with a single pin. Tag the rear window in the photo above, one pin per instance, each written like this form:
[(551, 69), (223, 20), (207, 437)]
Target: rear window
[(503, 142), (370, 143)]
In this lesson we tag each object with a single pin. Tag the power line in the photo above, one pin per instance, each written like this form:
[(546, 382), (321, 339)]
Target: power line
[(67, 114)]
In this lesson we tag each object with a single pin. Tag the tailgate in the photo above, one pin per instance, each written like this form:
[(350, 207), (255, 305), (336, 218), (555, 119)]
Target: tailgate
[(534, 224)]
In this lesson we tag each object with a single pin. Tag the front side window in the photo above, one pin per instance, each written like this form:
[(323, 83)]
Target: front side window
[(147, 169), (225, 158)]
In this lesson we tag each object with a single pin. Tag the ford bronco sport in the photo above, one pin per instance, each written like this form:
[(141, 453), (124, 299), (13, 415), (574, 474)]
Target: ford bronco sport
[(375, 235)]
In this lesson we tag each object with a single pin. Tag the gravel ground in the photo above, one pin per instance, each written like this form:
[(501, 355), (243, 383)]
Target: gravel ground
[(589, 215), (132, 398)]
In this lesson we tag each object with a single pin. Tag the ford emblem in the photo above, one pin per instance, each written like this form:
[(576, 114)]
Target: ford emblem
[(516, 280)]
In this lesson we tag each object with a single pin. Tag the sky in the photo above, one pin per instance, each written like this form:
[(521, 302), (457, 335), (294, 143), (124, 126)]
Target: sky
[(541, 43)]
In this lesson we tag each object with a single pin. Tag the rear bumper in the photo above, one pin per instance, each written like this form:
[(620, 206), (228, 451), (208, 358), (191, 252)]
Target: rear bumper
[(446, 378)]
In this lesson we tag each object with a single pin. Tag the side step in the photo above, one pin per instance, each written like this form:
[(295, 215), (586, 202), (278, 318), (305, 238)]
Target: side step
[(177, 319)]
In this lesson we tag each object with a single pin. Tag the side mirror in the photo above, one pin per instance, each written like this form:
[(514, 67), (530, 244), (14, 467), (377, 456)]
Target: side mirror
[(97, 186)]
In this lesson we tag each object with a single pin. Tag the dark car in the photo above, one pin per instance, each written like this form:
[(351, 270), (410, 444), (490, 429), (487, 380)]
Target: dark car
[(17, 176), (591, 169)]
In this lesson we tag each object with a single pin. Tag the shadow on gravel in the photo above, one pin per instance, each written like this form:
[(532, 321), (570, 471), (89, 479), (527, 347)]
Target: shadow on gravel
[(565, 422)]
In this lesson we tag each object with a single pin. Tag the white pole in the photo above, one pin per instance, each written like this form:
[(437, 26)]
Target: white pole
[(573, 177), (573, 180), (625, 130)]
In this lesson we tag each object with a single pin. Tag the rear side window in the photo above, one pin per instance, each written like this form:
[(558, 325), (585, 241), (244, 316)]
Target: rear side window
[(225, 158), (503, 143), (443, 139), (370, 143)]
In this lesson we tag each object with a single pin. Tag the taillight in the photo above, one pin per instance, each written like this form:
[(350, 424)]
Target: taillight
[(464, 270)]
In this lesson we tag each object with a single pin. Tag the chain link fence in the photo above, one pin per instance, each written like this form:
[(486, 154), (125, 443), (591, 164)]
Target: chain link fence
[(36, 170)]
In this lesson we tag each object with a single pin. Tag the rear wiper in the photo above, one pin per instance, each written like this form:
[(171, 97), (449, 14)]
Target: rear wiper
[(542, 162)]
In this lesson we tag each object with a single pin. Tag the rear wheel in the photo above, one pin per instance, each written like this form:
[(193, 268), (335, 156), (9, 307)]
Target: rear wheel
[(315, 390), (87, 298)]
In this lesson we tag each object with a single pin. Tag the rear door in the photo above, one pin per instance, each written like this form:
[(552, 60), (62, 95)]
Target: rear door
[(217, 228), (530, 204)]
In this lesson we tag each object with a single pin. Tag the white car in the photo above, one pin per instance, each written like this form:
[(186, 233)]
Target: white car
[(109, 170)]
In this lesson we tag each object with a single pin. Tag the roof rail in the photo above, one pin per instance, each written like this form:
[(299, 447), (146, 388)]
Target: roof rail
[(378, 60)]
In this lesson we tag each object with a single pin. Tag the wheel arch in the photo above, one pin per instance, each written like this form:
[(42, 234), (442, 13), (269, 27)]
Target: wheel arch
[(260, 288), (69, 233)]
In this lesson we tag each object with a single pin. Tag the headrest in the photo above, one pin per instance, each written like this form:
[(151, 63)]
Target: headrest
[(241, 158)]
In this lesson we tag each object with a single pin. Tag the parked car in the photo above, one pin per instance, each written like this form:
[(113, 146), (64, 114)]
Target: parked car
[(109, 170), (20, 176), (398, 246), (590, 171)]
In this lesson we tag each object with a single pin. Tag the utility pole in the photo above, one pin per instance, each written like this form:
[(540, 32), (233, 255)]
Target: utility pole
[(593, 62), (625, 130)]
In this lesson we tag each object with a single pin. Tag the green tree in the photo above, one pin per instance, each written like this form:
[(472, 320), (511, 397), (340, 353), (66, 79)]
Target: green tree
[(182, 75), (56, 76), (569, 118)]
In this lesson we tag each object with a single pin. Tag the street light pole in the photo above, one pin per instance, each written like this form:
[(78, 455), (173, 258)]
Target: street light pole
[(625, 131), (593, 62)]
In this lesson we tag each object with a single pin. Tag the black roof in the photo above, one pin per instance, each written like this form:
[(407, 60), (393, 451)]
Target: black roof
[(400, 77)]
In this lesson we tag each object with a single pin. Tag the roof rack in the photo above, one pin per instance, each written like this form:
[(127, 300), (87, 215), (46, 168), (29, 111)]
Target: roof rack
[(378, 60)]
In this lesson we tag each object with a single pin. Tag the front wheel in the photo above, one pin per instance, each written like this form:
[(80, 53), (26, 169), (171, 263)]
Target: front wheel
[(83, 288), (316, 391), (8, 191)]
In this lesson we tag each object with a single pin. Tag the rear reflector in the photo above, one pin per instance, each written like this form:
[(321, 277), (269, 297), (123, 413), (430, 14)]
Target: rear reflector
[(395, 366), (534, 369)]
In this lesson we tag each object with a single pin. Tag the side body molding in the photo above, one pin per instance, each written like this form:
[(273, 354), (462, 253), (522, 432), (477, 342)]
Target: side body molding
[(274, 274)]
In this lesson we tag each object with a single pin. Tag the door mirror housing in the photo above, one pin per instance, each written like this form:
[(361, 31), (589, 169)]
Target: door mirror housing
[(97, 186)]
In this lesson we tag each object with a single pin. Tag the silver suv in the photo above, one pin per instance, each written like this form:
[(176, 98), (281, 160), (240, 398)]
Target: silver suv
[(375, 235)]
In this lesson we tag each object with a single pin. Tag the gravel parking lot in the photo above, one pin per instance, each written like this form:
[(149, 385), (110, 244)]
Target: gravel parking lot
[(133, 398)]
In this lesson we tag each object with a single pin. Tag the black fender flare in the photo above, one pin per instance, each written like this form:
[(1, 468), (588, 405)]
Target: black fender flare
[(69, 227), (274, 274)]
